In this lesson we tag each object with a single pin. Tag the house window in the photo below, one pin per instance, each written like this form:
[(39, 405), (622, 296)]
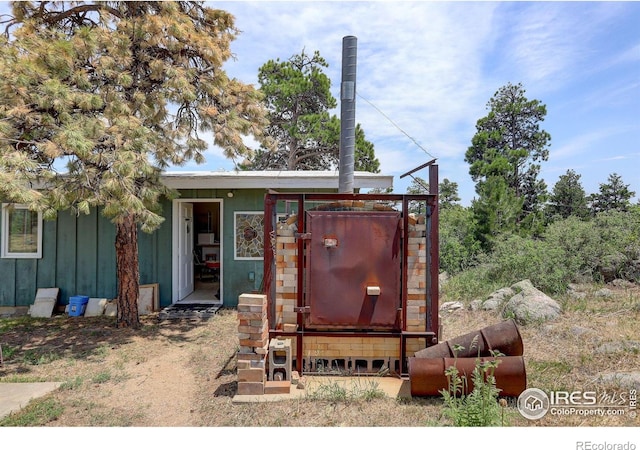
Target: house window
[(21, 232)]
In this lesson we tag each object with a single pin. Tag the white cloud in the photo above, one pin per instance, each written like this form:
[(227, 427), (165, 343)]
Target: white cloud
[(431, 67)]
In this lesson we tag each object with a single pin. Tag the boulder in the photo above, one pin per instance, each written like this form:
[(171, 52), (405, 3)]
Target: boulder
[(495, 300), (604, 293), (451, 306), (620, 346), (530, 305), (625, 380), (491, 304), (475, 305)]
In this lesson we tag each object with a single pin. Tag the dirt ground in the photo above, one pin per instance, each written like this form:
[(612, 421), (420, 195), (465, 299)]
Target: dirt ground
[(182, 373)]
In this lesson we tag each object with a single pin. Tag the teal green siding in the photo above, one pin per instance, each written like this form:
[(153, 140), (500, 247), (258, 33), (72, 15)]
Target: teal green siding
[(46, 275), (236, 272), (25, 283), (154, 255), (7, 282), (78, 257), (66, 263), (86, 273), (106, 257)]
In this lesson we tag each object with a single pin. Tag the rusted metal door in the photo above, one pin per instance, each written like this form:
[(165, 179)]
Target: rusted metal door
[(353, 270)]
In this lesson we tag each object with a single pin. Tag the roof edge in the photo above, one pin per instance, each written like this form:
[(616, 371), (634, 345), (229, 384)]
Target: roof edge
[(270, 179)]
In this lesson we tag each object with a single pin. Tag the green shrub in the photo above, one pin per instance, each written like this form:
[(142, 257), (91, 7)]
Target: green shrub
[(569, 250), (517, 258), (470, 284)]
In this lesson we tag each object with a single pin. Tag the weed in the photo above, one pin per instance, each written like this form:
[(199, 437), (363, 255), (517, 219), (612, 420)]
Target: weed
[(102, 352), (101, 377), (35, 358), (366, 389), (576, 304), (8, 352), (332, 391), (71, 384), (23, 322), (555, 367), (337, 391), (586, 358), (480, 407)]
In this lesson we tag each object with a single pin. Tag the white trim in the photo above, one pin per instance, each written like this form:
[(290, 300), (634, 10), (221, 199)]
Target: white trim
[(185, 267), (5, 253), (271, 179), (175, 243)]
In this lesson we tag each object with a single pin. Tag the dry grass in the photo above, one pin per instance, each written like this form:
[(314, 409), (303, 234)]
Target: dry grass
[(183, 373)]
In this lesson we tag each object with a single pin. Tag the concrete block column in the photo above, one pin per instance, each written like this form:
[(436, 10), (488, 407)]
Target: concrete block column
[(253, 336), (280, 360)]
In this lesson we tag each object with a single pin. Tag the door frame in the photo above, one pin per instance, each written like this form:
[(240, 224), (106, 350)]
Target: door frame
[(175, 239)]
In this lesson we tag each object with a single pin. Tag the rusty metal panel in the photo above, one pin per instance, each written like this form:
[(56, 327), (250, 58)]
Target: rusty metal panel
[(353, 269)]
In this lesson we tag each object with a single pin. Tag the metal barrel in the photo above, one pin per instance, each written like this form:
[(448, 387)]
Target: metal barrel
[(427, 375), (503, 337)]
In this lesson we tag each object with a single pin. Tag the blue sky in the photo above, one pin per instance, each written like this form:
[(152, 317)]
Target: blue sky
[(431, 68)]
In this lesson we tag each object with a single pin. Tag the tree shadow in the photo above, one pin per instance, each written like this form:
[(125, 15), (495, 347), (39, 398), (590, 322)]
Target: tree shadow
[(29, 341)]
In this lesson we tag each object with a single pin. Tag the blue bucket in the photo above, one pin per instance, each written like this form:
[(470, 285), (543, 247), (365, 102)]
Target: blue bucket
[(78, 305)]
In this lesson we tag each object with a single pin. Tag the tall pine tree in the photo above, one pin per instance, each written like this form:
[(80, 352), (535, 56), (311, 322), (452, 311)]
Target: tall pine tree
[(97, 98), (306, 136), (505, 154)]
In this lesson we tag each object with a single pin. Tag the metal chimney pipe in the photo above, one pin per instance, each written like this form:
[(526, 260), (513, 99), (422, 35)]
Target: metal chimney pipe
[(347, 115)]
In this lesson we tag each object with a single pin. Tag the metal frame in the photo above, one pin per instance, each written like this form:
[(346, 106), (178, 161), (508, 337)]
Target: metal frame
[(430, 333)]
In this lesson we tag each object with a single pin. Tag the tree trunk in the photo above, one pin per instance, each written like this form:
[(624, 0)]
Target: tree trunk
[(128, 273), (292, 160)]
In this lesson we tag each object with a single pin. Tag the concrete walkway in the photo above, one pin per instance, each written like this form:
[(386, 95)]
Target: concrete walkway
[(391, 386), (15, 396)]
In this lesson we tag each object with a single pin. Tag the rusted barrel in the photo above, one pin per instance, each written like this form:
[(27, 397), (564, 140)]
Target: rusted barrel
[(427, 375), (503, 337)]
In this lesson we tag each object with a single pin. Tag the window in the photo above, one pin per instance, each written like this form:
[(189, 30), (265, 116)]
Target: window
[(21, 232)]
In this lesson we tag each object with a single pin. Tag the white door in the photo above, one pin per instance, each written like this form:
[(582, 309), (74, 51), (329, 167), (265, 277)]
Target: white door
[(185, 250)]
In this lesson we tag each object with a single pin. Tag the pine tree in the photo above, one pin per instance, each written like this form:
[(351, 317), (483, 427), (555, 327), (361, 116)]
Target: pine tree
[(448, 194), (613, 195), (306, 136), (505, 152), (96, 99), (568, 198)]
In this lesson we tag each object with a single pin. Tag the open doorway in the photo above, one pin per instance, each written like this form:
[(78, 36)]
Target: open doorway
[(197, 246)]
